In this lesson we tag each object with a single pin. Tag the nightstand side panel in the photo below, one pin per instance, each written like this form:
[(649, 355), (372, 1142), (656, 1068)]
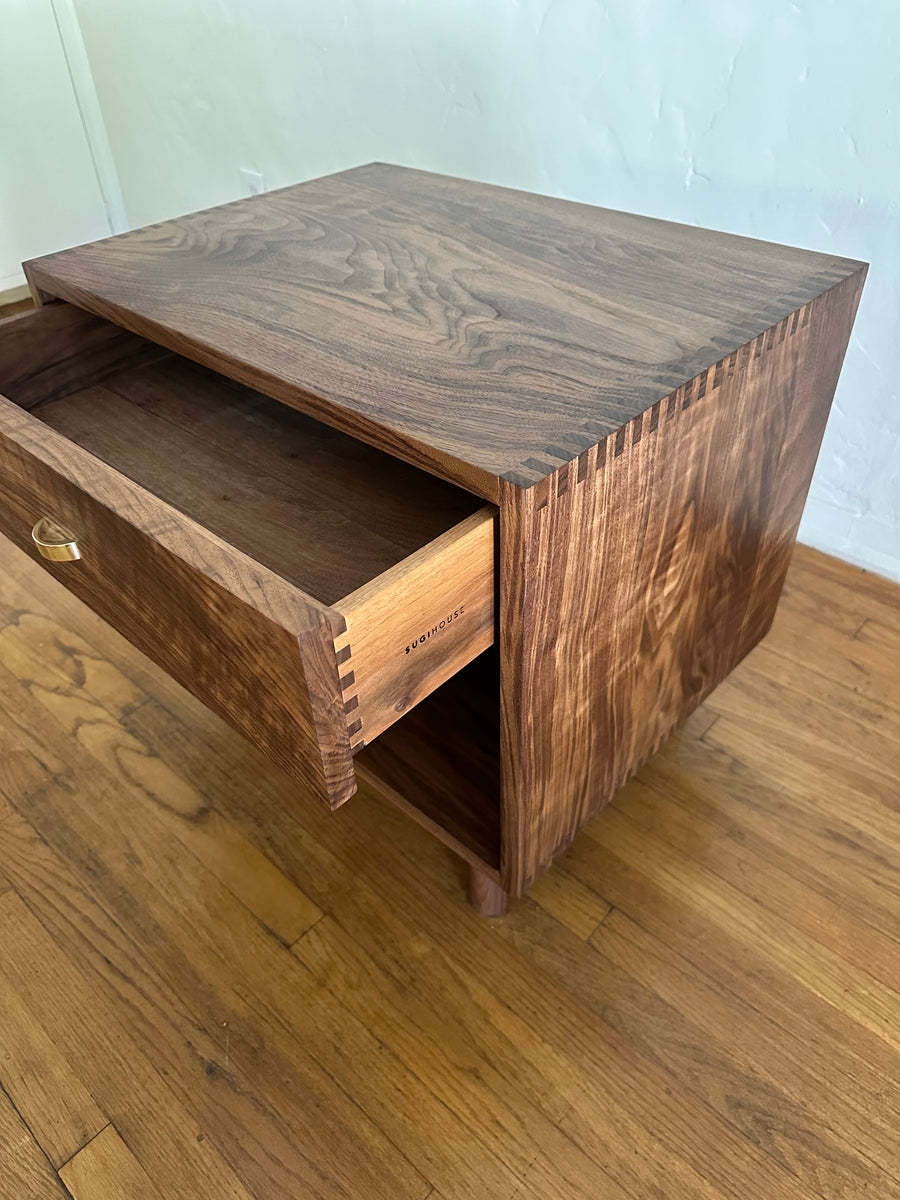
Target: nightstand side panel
[(637, 576)]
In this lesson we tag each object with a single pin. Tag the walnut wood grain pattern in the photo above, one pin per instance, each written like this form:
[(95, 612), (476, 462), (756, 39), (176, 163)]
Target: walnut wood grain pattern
[(323, 511), (635, 578), (415, 626), (48, 353), (254, 648), (724, 1027), (388, 508), (344, 522), (441, 764), (482, 333)]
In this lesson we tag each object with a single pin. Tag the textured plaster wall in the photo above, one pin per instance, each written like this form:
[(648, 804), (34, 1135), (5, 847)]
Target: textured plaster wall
[(771, 118)]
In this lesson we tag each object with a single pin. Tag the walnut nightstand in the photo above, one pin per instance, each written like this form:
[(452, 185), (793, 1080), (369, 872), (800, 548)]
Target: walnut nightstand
[(470, 492)]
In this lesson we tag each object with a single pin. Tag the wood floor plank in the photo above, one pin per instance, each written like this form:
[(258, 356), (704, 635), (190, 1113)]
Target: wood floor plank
[(107, 1170), (793, 685), (779, 891), (25, 1174), (816, 967), (863, 754), (332, 1136), (847, 595), (89, 697), (466, 1082), (855, 663), (471, 951), (595, 1048), (861, 1058), (833, 595), (865, 1124), (199, 1066), (882, 639), (686, 1048), (387, 918), (173, 1148), (484, 1038), (190, 907), (61, 1113), (562, 896), (831, 779), (15, 306), (826, 851)]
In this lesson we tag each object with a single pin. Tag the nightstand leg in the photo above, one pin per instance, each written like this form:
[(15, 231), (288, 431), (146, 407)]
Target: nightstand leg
[(488, 898)]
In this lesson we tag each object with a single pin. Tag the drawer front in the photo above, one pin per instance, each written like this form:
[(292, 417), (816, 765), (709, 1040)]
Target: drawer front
[(412, 628), (255, 649)]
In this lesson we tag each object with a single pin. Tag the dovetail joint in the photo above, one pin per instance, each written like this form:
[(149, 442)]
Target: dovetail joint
[(702, 386), (349, 692)]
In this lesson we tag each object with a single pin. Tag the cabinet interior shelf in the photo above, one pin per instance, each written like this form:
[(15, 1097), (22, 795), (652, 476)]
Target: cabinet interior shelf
[(441, 763)]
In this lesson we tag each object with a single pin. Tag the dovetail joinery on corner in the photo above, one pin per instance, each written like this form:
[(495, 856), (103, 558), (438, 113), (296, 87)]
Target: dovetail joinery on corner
[(575, 469), (349, 691)]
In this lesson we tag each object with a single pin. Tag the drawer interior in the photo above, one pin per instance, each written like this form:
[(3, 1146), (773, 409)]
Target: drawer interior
[(324, 511)]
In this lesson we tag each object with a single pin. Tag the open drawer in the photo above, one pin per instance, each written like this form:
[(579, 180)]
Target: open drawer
[(305, 586)]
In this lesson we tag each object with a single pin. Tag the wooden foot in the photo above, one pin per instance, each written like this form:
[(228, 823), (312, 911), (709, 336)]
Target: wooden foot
[(488, 898)]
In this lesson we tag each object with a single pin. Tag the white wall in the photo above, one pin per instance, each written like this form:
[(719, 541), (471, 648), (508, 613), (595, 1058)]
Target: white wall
[(773, 118), (49, 191)]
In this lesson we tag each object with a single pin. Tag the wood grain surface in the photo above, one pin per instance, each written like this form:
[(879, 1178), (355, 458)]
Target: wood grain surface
[(59, 1111), (323, 511), (262, 999), (256, 649), (441, 763), (217, 526), (479, 332), (415, 626), (24, 1171), (48, 353), (636, 577), (105, 1169)]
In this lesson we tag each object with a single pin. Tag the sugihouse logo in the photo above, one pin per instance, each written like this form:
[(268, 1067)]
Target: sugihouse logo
[(436, 629)]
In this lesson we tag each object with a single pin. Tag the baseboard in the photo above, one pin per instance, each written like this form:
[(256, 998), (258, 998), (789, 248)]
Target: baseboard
[(12, 295)]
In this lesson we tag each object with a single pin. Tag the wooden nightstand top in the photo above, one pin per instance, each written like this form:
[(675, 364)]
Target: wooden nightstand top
[(479, 332)]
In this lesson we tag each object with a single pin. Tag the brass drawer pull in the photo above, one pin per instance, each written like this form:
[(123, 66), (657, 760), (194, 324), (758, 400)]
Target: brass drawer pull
[(54, 541)]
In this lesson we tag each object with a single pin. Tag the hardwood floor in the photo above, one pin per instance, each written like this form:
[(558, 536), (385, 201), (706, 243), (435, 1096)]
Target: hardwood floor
[(211, 989)]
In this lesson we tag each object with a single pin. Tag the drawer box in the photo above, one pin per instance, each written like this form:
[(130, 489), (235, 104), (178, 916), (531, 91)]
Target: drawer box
[(307, 587)]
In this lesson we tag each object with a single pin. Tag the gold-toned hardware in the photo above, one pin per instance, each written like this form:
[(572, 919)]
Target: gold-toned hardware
[(54, 541)]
